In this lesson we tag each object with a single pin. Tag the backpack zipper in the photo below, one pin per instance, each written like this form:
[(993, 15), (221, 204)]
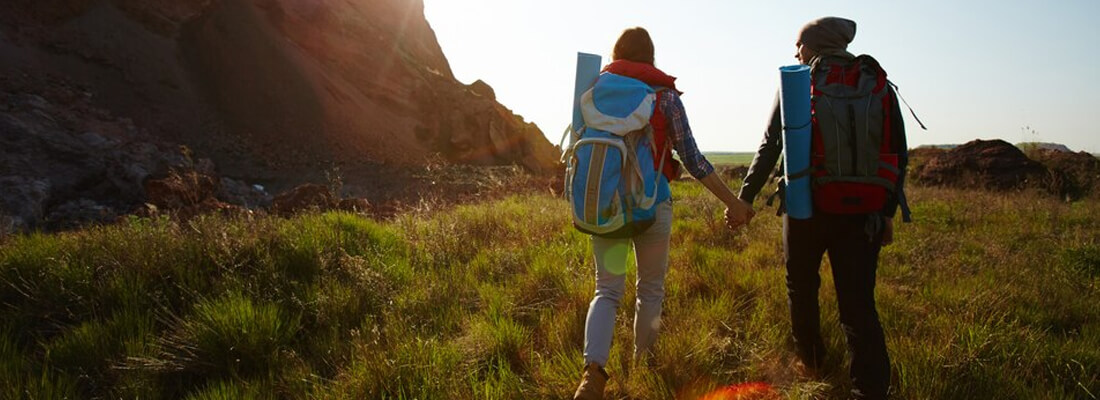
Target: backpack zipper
[(836, 124), (853, 139), (867, 123), (836, 128)]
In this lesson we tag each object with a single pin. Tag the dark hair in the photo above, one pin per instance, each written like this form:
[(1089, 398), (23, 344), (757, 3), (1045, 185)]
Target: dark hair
[(634, 45)]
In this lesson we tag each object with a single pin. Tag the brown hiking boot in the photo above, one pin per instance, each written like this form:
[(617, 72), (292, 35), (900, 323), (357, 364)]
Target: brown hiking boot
[(811, 363), (592, 383), (808, 371)]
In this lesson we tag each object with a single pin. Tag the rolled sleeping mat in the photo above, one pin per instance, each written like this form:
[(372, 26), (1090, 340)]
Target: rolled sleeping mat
[(794, 105), (588, 69)]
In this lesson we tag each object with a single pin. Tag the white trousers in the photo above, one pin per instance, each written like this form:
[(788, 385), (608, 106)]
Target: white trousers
[(651, 254)]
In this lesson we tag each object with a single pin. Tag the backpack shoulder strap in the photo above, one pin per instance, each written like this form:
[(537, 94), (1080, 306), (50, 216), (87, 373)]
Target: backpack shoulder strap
[(906, 214), (659, 90), (895, 87)]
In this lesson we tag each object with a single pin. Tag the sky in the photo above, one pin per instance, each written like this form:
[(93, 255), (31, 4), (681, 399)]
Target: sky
[(1015, 70)]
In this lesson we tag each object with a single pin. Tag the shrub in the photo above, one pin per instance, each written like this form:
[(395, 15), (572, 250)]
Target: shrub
[(229, 337)]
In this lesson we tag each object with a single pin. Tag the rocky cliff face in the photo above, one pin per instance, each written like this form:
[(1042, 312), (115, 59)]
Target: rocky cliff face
[(273, 91), (282, 81)]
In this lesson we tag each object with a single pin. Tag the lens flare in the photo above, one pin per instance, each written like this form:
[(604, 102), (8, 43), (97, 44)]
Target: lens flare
[(614, 257), (744, 391)]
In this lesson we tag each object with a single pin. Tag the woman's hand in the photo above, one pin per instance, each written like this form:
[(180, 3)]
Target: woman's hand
[(738, 213)]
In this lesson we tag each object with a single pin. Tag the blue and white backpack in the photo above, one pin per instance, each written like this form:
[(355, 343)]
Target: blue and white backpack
[(611, 176)]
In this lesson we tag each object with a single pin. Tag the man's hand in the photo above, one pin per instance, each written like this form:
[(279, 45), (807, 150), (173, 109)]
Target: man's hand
[(888, 232), (738, 213)]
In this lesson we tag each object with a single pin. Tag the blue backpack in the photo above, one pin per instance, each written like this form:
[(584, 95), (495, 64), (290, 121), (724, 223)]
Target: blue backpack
[(611, 175)]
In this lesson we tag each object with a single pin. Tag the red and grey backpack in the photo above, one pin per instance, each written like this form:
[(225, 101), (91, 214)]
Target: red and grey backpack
[(853, 165)]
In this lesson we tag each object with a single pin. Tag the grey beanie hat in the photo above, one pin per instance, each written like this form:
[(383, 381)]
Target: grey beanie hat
[(828, 33)]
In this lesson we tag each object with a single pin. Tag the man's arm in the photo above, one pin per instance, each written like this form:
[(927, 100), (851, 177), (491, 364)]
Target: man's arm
[(900, 147), (763, 163)]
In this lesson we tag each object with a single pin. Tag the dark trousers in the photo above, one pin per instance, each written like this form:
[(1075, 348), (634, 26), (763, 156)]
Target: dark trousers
[(853, 243)]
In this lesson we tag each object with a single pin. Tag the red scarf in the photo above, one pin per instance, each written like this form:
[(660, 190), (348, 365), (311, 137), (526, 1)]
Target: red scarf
[(642, 72)]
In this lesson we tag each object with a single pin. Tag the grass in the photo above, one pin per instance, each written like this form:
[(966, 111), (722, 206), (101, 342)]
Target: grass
[(729, 159), (985, 296)]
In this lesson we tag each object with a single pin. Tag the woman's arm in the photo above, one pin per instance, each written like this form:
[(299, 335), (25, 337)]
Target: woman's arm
[(737, 212)]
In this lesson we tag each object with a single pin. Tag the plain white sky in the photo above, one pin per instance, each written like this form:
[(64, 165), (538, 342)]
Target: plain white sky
[(1016, 70)]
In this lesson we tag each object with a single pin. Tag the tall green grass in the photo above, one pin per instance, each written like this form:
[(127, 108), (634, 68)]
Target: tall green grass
[(985, 296), (730, 159)]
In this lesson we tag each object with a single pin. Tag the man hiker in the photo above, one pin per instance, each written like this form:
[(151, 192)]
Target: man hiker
[(858, 162)]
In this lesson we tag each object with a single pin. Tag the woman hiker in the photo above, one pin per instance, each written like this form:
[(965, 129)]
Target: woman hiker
[(633, 57)]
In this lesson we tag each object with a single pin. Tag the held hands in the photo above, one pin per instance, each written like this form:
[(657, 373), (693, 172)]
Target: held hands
[(738, 214)]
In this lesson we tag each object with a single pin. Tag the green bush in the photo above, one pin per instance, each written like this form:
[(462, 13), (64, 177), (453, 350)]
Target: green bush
[(229, 337), (1083, 260)]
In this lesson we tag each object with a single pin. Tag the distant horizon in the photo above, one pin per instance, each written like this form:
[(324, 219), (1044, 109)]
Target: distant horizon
[(963, 67), (926, 145)]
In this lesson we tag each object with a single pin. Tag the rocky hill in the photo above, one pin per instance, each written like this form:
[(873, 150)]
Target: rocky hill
[(1044, 146), (272, 91), (998, 165)]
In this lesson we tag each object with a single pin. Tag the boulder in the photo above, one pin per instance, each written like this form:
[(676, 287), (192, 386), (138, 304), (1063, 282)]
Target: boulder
[(242, 194), (306, 197), (179, 190), (354, 205), (80, 213), (23, 201)]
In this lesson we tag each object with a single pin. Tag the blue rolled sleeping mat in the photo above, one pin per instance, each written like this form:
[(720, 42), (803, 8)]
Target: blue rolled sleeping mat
[(588, 69), (794, 104)]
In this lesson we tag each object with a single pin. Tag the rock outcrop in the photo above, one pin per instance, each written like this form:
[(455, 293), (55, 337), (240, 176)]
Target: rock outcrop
[(273, 82), (1079, 171), (982, 164), (66, 163), (60, 168), (302, 198), (998, 165), (101, 95)]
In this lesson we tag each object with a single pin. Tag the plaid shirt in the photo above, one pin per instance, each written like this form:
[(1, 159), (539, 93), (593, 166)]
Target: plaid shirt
[(682, 139)]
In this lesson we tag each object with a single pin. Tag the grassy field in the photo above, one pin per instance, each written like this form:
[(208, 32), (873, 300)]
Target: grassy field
[(729, 159), (985, 296)]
